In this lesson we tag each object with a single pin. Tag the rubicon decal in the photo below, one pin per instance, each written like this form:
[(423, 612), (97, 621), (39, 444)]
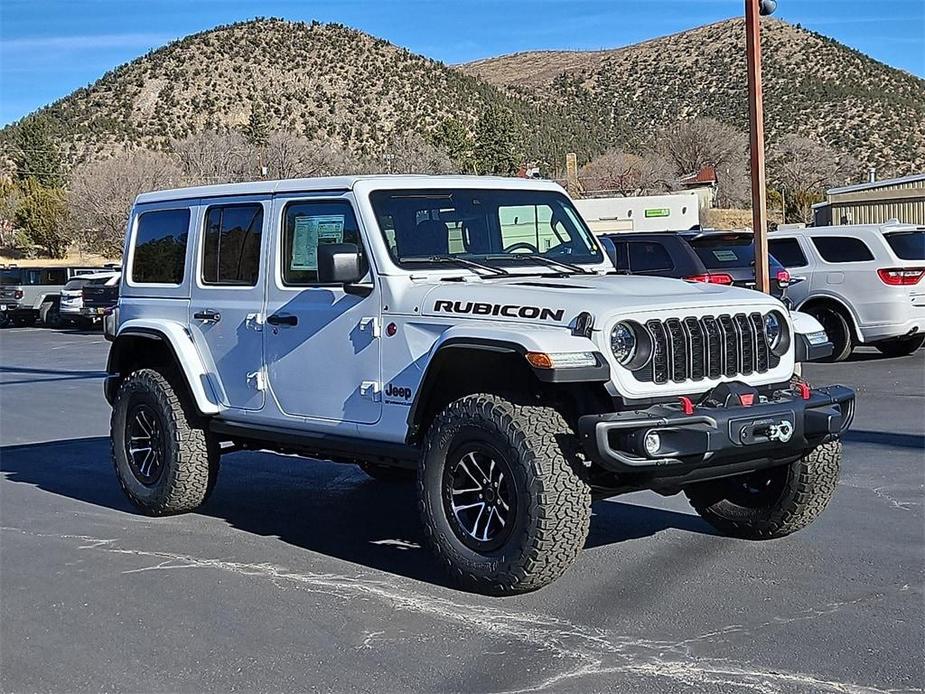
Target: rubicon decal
[(507, 310)]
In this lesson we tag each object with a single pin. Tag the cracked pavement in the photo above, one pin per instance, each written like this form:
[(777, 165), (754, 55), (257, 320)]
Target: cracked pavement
[(309, 576)]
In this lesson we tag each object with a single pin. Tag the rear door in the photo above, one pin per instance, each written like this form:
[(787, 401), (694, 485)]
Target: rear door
[(846, 268), (227, 297), (909, 248), (790, 252)]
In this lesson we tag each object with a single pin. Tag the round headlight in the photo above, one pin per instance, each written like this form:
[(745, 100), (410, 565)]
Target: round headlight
[(772, 329), (623, 343)]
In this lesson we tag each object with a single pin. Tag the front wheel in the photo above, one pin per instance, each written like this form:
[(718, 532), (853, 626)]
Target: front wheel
[(901, 347), (770, 503), (502, 505), (165, 459)]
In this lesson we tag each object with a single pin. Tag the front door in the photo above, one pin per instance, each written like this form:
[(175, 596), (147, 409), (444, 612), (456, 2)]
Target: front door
[(321, 342), (227, 297)]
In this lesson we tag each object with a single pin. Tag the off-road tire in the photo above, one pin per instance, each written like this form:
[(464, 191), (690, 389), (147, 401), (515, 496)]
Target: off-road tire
[(901, 347), (807, 486), (50, 315), (552, 513), (838, 331), (388, 473), (191, 458)]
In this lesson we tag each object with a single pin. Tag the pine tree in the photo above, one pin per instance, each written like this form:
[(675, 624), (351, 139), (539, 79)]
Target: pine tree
[(36, 155), (496, 143), (453, 138), (257, 129)]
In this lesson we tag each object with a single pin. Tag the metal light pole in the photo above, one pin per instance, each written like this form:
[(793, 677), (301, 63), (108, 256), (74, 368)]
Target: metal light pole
[(753, 10)]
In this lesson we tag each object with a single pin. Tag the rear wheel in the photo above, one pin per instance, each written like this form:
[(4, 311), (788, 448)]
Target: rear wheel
[(50, 315), (502, 505), (901, 347), (164, 458), (771, 503), (838, 330)]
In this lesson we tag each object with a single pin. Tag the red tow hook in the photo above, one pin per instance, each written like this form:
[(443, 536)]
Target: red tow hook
[(747, 399), (804, 390), (687, 405)]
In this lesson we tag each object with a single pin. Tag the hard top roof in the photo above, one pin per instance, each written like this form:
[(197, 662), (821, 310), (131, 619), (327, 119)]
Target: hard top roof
[(344, 183)]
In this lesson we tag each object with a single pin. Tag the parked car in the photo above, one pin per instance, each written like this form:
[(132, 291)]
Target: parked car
[(716, 257), (72, 297), (413, 323), (30, 293), (99, 296), (863, 282)]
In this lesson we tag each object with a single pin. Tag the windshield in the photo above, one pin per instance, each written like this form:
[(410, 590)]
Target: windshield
[(908, 245), (11, 276), (491, 227)]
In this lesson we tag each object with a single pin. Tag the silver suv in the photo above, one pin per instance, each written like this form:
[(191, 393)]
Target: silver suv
[(863, 282)]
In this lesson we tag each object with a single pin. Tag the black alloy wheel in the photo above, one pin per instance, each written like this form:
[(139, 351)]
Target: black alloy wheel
[(145, 444), (478, 497)]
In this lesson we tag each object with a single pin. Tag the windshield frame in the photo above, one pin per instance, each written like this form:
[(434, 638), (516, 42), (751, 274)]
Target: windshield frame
[(518, 263)]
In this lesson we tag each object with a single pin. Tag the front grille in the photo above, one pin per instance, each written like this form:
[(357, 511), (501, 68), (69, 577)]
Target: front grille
[(692, 349)]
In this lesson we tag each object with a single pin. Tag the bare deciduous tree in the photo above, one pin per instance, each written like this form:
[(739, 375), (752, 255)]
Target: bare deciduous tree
[(210, 157), (287, 156), (102, 192), (626, 173), (803, 168), (407, 153), (691, 145)]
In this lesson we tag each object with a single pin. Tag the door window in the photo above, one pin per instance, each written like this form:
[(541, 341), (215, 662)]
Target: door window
[(160, 247), (307, 225), (231, 245), (788, 252), (842, 249)]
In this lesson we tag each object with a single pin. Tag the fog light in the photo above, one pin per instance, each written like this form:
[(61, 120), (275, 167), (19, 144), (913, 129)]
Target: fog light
[(652, 442)]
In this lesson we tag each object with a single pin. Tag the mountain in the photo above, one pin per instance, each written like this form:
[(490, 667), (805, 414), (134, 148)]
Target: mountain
[(310, 78), (334, 82), (813, 86)]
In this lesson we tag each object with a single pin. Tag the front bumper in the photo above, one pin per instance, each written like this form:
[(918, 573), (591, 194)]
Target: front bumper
[(719, 431)]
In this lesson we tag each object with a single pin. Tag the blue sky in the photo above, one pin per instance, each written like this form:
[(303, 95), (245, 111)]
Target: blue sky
[(48, 48)]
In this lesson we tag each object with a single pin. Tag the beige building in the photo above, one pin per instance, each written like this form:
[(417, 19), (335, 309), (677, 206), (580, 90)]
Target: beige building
[(874, 203)]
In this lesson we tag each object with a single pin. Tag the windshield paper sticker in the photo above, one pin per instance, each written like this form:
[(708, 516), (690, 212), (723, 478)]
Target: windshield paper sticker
[(309, 232)]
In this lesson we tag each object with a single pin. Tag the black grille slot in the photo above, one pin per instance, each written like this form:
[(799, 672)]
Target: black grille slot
[(708, 347), (659, 351)]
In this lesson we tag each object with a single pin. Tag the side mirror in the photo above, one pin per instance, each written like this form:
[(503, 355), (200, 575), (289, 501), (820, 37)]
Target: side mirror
[(339, 263)]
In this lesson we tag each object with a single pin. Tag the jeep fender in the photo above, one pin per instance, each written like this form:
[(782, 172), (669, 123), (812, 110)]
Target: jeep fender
[(185, 356), (804, 323), (511, 341)]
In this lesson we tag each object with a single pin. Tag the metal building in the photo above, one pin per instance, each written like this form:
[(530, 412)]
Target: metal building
[(874, 203)]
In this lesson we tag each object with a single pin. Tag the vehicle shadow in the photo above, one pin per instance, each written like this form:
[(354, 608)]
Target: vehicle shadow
[(315, 506)]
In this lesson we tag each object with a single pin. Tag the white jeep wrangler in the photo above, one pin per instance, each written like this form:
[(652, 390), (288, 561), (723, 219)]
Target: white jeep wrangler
[(473, 330)]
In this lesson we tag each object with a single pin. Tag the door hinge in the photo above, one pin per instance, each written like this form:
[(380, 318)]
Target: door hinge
[(259, 378), (256, 320), (371, 390), (372, 323)]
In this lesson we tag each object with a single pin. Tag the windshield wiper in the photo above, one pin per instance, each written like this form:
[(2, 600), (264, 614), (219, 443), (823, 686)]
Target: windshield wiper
[(545, 260), (456, 260)]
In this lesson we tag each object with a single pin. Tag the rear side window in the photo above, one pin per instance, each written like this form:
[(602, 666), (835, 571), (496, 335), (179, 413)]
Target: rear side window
[(842, 249), (908, 245), (74, 284), (160, 247), (649, 256), (788, 252), (725, 252), (231, 245), (54, 275)]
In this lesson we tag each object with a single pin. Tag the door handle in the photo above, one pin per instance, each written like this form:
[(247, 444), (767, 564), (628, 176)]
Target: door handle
[(208, 315), (283, 319)]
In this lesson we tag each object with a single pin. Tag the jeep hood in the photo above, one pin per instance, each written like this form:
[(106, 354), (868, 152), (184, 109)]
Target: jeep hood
[(551, 300)]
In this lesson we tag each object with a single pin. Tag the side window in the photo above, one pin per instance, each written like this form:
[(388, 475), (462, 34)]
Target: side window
[(160, 247), (307, 225), (842, 249), (32, 278), (54, 276), (231, 245), (648, 256), (788, 252)]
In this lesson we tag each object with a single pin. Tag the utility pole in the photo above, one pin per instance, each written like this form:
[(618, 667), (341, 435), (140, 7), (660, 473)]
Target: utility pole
[(753, 10)]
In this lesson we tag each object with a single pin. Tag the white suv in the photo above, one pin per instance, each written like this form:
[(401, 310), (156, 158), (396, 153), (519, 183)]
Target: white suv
[(863, 282), (470, 329)]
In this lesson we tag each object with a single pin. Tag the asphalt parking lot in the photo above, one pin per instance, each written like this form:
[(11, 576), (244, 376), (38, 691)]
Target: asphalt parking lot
[(300, 575)]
